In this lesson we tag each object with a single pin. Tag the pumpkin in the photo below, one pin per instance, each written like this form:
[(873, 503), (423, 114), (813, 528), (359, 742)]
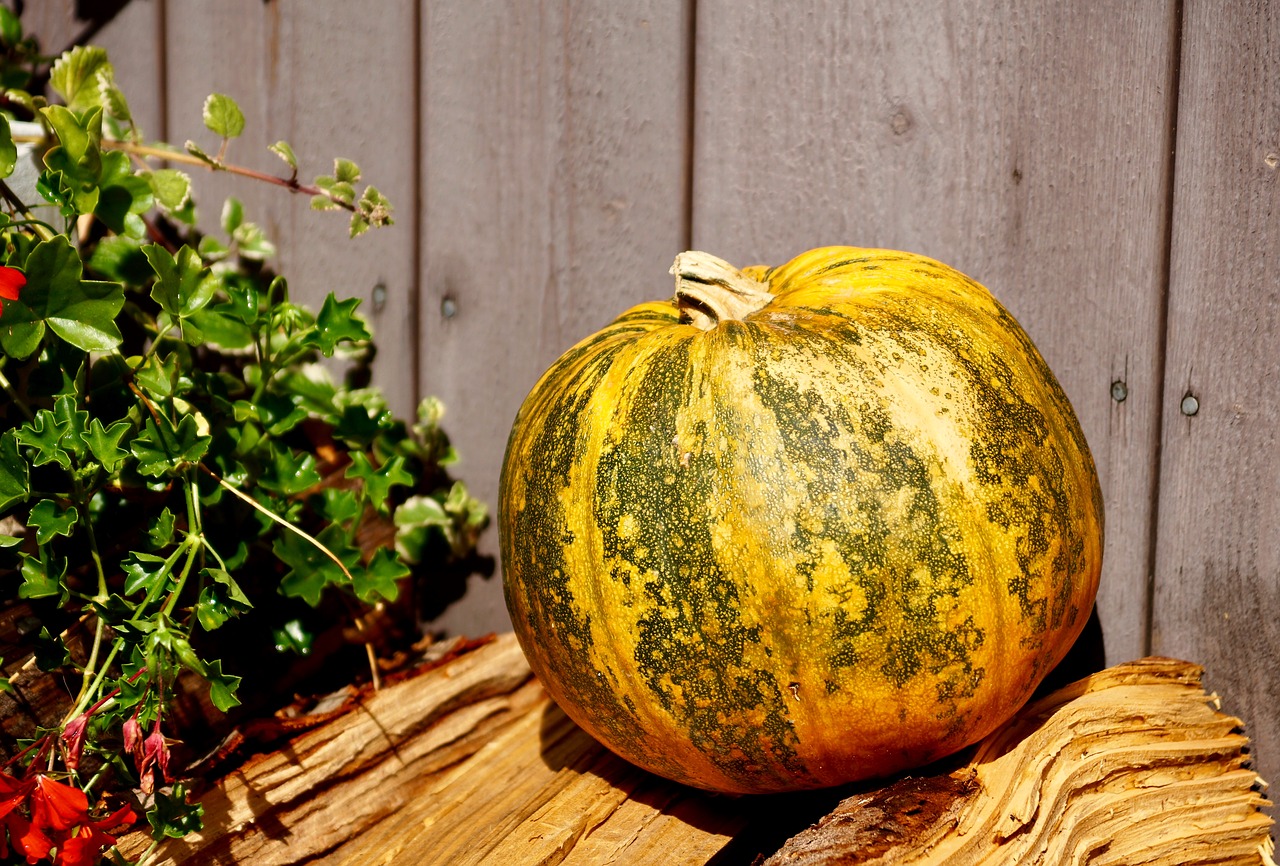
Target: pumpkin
[(799, 526)]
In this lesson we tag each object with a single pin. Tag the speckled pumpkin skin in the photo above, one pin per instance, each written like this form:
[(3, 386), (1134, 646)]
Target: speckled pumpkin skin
[(844, 536)]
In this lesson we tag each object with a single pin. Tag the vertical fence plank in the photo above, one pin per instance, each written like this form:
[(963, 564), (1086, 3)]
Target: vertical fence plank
[(1024, 144), (555, 180), (129, 31), (1217, 573), (332, 79)]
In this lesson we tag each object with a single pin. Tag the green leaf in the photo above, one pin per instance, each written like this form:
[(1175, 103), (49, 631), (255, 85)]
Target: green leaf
[(75, 76), (285, 152), (375, 208), (41, 582), (157, 376), (220, 600), (10, 26), (44, 434), (74, 421), (232, 214), (378, 482), (145, 572), (120, 258), (50, 652), (122, 195), (336, 323), (194, 149), (293, 637), (311, 569), (251, 243), (160, 533), (173, 816), (15, 484), (221, 329), (379, 578), (104, 443), (183, 285), (112, 97), (168, 450), (77, 156), (323, 202), (223, 116), (50, 521), (289, 473), (222, 687), (171, 188), (82, 312), (8, 150), (345, 171), (339, 506)]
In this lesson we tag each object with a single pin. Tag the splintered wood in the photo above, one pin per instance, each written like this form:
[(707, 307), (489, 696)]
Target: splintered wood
[(471, 763), (1128, 766)]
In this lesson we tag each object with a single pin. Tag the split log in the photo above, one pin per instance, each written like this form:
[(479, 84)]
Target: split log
[(471, 763), (1128, 766)]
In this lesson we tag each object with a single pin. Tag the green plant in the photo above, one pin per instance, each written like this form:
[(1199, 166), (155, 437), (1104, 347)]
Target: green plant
[(799, 526), (173, 456)]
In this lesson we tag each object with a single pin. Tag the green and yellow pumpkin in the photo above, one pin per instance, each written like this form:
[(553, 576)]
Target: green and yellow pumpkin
[(799, 526)]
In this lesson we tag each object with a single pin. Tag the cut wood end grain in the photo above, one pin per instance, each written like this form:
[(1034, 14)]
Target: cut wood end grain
[(1132, 765)]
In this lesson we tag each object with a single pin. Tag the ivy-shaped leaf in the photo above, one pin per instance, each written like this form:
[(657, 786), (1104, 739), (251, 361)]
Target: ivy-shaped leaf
[(145, 572), (82, 312), (220, 600), (160, 533), (168, 450), (222, 687), (41, 579), (379, 578), (172, 816), (78, 155), (182, 285), (311, 569), (50, 521), (104, 443), (15, 484), (378, 482), (44, 434), (336, 323)]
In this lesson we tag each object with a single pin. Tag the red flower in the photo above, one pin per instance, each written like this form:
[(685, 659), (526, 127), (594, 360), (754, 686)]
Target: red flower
[(58, 819), (11, 282)]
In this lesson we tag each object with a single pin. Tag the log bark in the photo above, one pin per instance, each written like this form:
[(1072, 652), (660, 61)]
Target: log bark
[(471, 763)]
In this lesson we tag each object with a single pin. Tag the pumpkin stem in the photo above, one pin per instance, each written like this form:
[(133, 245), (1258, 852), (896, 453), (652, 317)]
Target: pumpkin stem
[(709, 290)]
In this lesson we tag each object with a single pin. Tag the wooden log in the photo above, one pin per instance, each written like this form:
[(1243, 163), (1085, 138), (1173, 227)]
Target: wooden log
[(1128, 766), (471, 763)]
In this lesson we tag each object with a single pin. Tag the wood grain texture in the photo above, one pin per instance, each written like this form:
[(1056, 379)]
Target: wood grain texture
[(129, 31), (1217, 572), (1023, 144), (333, 80), (555, 197)]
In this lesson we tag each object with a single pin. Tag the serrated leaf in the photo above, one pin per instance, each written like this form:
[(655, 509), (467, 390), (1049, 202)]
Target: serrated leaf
[(51, 521), (345, 171), (78, 156), (323, 202), (285, 152), (8, 150), (112, 97), (375, 207), (359, 225), (223, 116), (15, 485), (171, 188), (74, 76), (104, 443)]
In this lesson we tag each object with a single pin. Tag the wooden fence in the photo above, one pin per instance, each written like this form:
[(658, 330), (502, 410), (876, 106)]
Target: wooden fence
[(1110, 170)]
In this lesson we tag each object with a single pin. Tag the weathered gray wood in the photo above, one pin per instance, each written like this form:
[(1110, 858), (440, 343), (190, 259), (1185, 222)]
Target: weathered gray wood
[(555, 194), (131, 37), (333, 79), (1217, 572), (1024, 145)]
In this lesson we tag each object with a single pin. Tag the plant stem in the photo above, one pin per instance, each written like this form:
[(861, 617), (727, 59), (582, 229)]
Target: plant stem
[(44, 231), (289, 183), (13, 394)]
